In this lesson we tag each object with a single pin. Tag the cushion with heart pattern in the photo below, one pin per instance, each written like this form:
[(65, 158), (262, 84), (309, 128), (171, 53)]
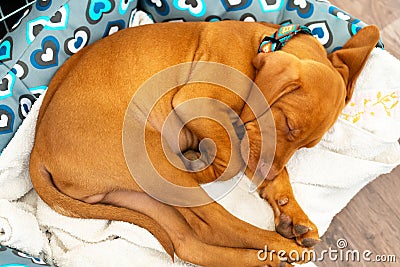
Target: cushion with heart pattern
[(51, 31)]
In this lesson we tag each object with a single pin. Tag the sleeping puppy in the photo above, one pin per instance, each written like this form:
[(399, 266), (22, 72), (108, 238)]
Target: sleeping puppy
[(95, 120)]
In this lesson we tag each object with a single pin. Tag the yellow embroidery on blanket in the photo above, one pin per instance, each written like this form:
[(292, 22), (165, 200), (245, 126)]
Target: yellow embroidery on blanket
[(387, 100), (371, 106)]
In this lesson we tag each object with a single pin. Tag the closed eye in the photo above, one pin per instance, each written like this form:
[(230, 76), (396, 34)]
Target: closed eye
[(289, 125), (292, 131)]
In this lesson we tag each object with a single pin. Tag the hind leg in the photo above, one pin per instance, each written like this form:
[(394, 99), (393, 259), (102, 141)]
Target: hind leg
[(204, 245), (206, 222), (214, 225)]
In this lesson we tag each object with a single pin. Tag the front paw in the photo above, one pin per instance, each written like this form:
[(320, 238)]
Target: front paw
[(290, 219), (292, 222)]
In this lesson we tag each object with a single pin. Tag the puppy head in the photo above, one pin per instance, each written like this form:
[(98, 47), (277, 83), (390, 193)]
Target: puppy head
[(305, 97)]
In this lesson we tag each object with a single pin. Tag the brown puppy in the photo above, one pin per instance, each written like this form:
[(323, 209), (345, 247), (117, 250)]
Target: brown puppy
[(78, 163)]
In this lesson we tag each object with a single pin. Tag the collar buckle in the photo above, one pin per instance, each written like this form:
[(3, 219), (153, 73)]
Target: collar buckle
[(281, 37)]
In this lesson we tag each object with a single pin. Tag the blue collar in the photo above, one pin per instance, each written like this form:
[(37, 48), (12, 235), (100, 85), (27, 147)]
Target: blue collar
[(281, 37)]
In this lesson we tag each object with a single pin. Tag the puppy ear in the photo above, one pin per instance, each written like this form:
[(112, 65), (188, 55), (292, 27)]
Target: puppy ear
[(278, 73), (350, 60)]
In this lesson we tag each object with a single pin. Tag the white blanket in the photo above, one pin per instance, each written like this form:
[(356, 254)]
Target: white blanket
[(359, 147)]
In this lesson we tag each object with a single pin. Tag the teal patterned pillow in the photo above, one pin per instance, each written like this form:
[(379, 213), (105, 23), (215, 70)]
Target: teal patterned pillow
[(53, 30)]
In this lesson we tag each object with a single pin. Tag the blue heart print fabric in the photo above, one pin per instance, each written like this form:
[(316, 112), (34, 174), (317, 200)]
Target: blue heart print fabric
[(53, 30), (49, 33), (332, 26), (14, 258)]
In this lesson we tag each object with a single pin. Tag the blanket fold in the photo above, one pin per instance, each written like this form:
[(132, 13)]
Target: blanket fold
[(19, 227)]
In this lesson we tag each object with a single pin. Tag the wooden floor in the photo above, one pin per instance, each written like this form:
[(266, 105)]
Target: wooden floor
[(372, 219)]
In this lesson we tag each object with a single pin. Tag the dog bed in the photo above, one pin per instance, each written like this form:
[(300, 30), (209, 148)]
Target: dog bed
[(363, 143), (51, 31)]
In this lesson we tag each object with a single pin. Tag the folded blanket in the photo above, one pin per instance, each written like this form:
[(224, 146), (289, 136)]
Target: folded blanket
[(359, 147)]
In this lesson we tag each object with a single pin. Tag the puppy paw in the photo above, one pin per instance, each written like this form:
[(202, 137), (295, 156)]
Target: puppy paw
[(292, 222), (290, 219)]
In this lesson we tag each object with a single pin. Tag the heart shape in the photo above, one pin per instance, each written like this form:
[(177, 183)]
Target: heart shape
[(318, 32), (34, 27), (59, 21), (3, 121), (6, 49), (76, 43), (47, 56), (4, 85), (271, 5), (196, 8), (192, 3), (57, 17), (340, 14), (37, 29), (301, 3), (157, 3), (114, 26), (322, 32), (234, 5), (7, 85), (43, 4), (25, 104), (97, 8), (303, 8), (6, 119), (160, 6), (124, 5), (20, 70)]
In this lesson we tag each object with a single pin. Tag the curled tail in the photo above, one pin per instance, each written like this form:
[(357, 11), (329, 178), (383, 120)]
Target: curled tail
[(44, 186)]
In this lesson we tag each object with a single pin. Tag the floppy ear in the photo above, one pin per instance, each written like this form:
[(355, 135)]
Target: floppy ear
[(278, 73), (350, 60)]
